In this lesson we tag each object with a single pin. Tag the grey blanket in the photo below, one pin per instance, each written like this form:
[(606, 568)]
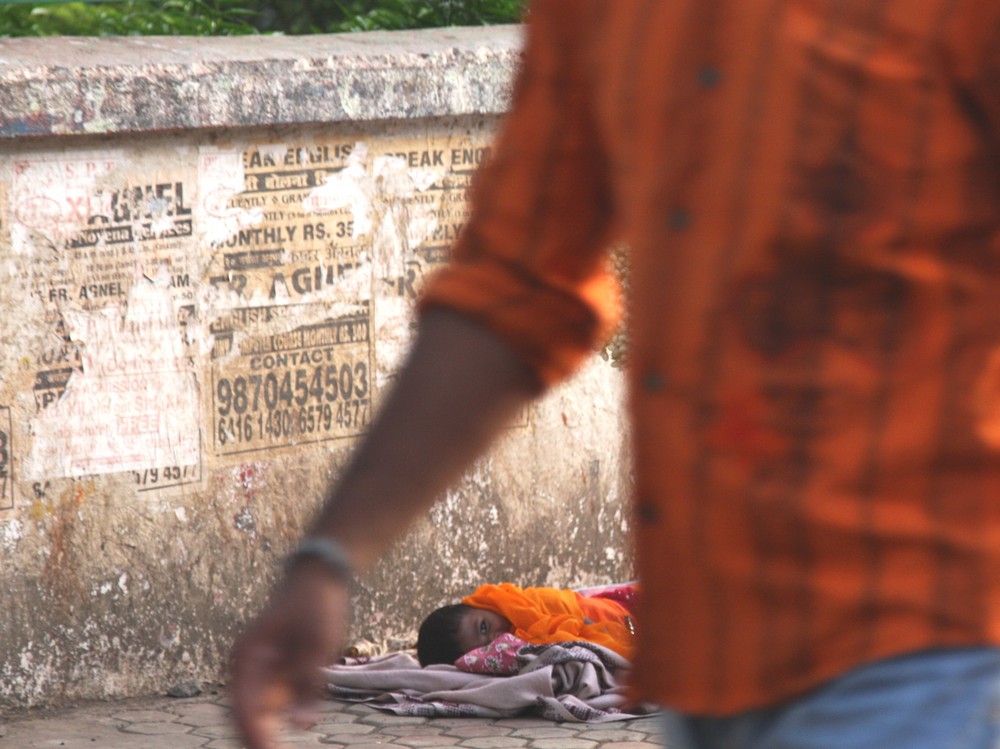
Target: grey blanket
[(572, 681)]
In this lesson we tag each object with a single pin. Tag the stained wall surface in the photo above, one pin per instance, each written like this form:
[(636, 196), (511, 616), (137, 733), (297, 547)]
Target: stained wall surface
[(209, 253)]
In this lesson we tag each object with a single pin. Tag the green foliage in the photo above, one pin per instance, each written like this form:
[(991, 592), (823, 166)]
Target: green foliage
[(229, 17), (145, 17), (325, 16), (364, 15)]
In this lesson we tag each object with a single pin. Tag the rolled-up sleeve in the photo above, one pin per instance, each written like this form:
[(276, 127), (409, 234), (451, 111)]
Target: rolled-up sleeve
[(530, 263)]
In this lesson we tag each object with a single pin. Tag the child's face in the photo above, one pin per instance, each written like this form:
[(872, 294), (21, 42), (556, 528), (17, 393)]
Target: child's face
[(480, 627)]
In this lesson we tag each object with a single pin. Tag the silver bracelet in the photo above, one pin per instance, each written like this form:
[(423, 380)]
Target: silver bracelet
[(326, 550)]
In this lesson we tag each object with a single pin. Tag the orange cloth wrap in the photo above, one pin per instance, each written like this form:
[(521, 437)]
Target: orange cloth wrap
[(544, 615)]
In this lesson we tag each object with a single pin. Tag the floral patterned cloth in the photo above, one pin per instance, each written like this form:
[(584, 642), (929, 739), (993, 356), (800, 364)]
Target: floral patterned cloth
[(499, 658)]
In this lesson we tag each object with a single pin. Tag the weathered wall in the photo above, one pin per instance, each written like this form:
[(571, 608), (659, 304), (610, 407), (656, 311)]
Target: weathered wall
[(210, 250)]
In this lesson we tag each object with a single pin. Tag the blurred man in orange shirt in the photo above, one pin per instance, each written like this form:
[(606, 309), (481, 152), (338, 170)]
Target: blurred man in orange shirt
[(810, 190)]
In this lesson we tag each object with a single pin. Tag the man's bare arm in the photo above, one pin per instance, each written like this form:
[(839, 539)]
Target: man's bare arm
[(460, 386), (458, 389)]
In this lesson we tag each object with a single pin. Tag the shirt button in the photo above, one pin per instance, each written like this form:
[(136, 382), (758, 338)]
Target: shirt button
[(647, 512), (709, 76), (653, 382), (679, 219)]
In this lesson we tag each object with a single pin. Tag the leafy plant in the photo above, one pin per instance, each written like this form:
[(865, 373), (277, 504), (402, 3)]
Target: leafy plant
[(409, 14), (142, 17), (229, 17)]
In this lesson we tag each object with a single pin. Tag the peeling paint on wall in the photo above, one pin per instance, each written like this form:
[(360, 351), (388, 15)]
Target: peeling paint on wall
[(220, 178), (133, 402), (54, 198)]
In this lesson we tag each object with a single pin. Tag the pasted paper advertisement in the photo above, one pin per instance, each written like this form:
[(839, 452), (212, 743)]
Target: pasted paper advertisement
[(182, 309)]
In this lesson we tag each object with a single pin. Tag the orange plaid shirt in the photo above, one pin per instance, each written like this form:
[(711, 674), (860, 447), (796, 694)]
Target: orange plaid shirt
[(810, 190)]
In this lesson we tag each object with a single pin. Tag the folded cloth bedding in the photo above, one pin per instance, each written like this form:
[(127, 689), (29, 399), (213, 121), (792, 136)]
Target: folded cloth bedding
[(568, 681)]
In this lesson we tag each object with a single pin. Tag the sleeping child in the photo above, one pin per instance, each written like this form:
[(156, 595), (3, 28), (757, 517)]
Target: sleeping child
[(534, 615)]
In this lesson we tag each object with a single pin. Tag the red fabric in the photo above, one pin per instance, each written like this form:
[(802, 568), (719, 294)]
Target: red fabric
[(627, 596)]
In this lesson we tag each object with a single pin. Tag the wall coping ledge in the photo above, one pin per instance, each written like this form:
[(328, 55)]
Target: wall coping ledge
[(105, 85)]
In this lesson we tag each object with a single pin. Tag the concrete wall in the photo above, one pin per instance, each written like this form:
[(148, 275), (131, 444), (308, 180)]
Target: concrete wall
[(209, 251)]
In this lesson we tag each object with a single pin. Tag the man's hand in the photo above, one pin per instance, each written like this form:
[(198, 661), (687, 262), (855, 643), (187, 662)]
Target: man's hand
[(276, 663), (458, 390)]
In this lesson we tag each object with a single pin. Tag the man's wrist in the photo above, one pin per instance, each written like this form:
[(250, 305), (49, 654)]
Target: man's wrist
[(326, 552)]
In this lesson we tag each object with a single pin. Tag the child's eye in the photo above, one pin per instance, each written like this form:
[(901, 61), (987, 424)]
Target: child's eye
[(483, 628)]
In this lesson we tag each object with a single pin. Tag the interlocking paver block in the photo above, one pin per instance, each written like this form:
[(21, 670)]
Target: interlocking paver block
[(525, 722), (477, 730), (156, 728), (202, 713), (647, 725), (206, 723), (352, 739), (389, 719), (494, 742), (425, 729), (220, 731), (608, 735), (545, 732), (424, 742), (341, 728), (62, 732), (299, 739), (338, 717), (571, 742), (159, 741), (143, 716), (224, 744)]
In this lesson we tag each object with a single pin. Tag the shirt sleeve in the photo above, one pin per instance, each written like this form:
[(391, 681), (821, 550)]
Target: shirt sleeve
[(530, 264)]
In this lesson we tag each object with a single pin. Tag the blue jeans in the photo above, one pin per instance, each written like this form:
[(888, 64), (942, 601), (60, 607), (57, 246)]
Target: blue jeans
[(945, 698)]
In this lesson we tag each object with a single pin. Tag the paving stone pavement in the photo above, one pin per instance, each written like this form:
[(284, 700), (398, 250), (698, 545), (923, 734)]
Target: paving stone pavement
[(203, 723)]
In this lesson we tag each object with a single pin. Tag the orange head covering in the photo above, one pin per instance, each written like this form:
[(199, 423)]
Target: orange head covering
[(545, 615)]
